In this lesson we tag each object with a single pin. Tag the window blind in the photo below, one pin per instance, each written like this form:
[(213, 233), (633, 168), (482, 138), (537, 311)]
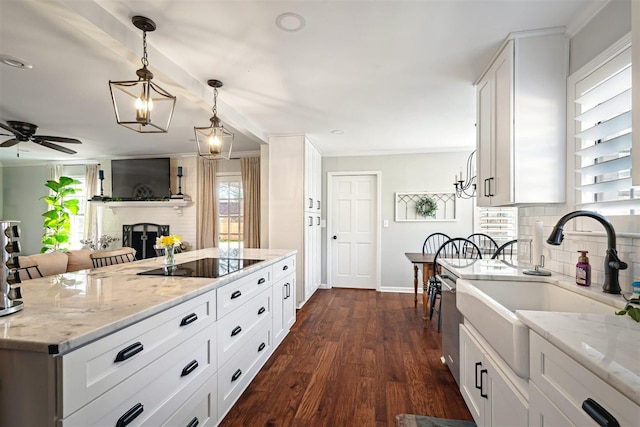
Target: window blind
[(501, 223), (603, 139)]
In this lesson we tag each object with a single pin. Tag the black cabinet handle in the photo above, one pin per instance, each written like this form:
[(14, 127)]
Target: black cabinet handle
[(236, 375), (318, 218), (261, 347), (236, 294), (288, 285), (194, 422), (128, 352), (261, 281), (485, 395), (261, 310), (486, 193), (478, 385), (189, 368), (285, 268), (189, 319), (599, 414), (130, 415), (310, 203), (318, 203), (491, 193), (310, 221), (236, 331)]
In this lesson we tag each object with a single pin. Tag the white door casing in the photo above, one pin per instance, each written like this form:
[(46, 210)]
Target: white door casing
[(353, 231)]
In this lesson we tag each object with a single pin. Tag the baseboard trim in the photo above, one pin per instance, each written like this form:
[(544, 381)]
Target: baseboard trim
[(401, 290)]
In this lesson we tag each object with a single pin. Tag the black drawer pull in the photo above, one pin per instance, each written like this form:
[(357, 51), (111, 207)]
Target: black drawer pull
[(130, 415), (236, 294), (236, 331), (189, 319), (599, 414), (236, 375), (261, 310), (261, 281), (261, 347), (285, 268), (478, 385), (485, 395), (194, 422), (189, 368), (128, 352)]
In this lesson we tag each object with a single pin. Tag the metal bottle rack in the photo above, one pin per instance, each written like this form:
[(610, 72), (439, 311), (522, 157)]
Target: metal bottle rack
[(9, 250)]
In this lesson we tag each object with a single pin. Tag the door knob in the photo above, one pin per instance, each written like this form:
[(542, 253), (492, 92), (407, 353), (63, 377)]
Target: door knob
[(335, 237)]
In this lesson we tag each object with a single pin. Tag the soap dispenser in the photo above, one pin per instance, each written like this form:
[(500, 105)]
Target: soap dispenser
[(583, 270)]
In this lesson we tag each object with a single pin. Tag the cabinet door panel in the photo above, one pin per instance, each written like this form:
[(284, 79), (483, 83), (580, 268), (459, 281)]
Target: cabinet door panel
[(471, 363), (501, 186), (506, 406)]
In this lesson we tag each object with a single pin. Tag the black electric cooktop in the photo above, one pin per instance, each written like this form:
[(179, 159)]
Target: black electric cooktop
[(205, 267)]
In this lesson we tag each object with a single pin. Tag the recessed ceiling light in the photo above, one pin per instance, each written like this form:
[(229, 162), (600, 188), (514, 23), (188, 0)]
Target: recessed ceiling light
[(337, 131), (12, 61), (290, 22)]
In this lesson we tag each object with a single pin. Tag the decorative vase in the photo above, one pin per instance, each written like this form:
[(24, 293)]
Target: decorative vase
[(170, 256)]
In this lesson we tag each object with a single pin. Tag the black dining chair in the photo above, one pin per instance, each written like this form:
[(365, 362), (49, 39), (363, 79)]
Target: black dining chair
[(433, 242), (456, 248), (507, 252), (486, 243)]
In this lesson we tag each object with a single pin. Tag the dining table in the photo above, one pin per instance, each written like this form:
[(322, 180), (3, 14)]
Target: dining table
[(425, 261)]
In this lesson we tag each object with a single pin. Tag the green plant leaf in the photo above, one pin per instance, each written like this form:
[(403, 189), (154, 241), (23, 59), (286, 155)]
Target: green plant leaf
[(633, 312)]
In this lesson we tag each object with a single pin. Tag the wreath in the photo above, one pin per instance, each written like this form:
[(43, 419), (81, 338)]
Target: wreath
[(426, 206)]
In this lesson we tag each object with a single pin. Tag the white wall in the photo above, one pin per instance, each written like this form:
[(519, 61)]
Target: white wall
[(22, 188), (609, 25), (433, 172)]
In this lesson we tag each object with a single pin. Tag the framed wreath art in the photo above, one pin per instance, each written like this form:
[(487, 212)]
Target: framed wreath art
[(426, 207)]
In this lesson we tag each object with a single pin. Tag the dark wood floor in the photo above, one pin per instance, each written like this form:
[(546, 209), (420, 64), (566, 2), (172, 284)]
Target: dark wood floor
[(353, 358)]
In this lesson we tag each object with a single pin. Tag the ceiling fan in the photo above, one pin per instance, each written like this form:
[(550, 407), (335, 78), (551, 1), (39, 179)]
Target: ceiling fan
[(22, 132)]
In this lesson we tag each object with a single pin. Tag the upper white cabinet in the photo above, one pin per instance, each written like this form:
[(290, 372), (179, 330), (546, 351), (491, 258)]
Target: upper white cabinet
[(635, 88), (521, 137), (295, 185)]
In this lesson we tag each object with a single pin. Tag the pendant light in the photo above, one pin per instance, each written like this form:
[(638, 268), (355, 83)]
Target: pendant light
[(214, 141), (465, 189), (142, 105)]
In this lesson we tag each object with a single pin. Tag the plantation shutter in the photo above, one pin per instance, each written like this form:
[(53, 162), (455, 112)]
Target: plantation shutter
[(603, 139)]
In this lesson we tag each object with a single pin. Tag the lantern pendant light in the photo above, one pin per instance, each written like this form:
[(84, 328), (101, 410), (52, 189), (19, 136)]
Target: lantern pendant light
[(142, 105), (214, 141)]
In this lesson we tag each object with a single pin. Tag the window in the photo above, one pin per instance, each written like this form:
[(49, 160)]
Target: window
[(601, 98), (501, 223), (230, 213), (77, 221)]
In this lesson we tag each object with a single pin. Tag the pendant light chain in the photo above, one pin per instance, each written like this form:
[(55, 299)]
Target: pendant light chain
[(144, 59), (215, 102)]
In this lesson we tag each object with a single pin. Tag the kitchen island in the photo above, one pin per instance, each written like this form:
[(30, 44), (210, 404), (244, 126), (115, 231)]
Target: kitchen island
[(575, 359), (109, 346)]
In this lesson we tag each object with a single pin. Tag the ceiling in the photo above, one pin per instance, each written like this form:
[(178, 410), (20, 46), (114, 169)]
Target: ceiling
[(391, 76)]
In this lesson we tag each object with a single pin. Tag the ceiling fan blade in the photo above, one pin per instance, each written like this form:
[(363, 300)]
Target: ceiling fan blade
[(55, 147), (9, 143), (57, 139), (7, 127)]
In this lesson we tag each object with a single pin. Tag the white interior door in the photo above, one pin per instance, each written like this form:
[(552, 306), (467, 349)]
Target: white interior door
[(353, 231)]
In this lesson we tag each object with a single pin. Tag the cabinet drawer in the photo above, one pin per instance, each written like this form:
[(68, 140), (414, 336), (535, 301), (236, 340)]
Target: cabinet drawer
[(237, 373), (568, 384), (242, 290), (236, 328), (90, 371), (284, 267), (200, 409), (162, 385)]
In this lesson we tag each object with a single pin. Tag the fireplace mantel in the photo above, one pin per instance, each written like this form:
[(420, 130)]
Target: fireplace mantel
[(176, 204)]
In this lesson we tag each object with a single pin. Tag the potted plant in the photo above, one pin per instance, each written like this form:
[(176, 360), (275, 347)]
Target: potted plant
[(57, 220)]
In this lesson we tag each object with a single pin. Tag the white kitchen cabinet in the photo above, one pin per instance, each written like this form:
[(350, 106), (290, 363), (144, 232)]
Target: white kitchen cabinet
[(284, 307), (295, 208), (521, 100), (491, 398), (635, 89), (560, 386)]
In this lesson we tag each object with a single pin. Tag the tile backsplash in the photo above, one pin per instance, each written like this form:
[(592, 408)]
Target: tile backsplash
[(562, 259)]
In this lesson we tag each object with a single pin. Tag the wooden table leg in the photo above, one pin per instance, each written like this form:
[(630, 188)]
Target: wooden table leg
[(415, 285), (426, 269)]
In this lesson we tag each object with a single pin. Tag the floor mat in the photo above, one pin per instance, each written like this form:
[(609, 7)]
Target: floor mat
[(408, 420)]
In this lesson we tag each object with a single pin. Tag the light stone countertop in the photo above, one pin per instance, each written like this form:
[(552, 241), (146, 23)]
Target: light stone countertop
[(607, 345), (66, 311)]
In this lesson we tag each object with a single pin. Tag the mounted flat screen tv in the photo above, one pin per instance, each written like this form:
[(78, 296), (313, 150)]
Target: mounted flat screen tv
[(140, 179)]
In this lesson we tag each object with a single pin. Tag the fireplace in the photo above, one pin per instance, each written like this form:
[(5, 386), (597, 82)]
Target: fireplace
[(142, 237)]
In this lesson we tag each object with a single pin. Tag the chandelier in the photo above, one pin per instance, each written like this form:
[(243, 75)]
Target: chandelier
[(214, 141), (465, 189), (142, 105)]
